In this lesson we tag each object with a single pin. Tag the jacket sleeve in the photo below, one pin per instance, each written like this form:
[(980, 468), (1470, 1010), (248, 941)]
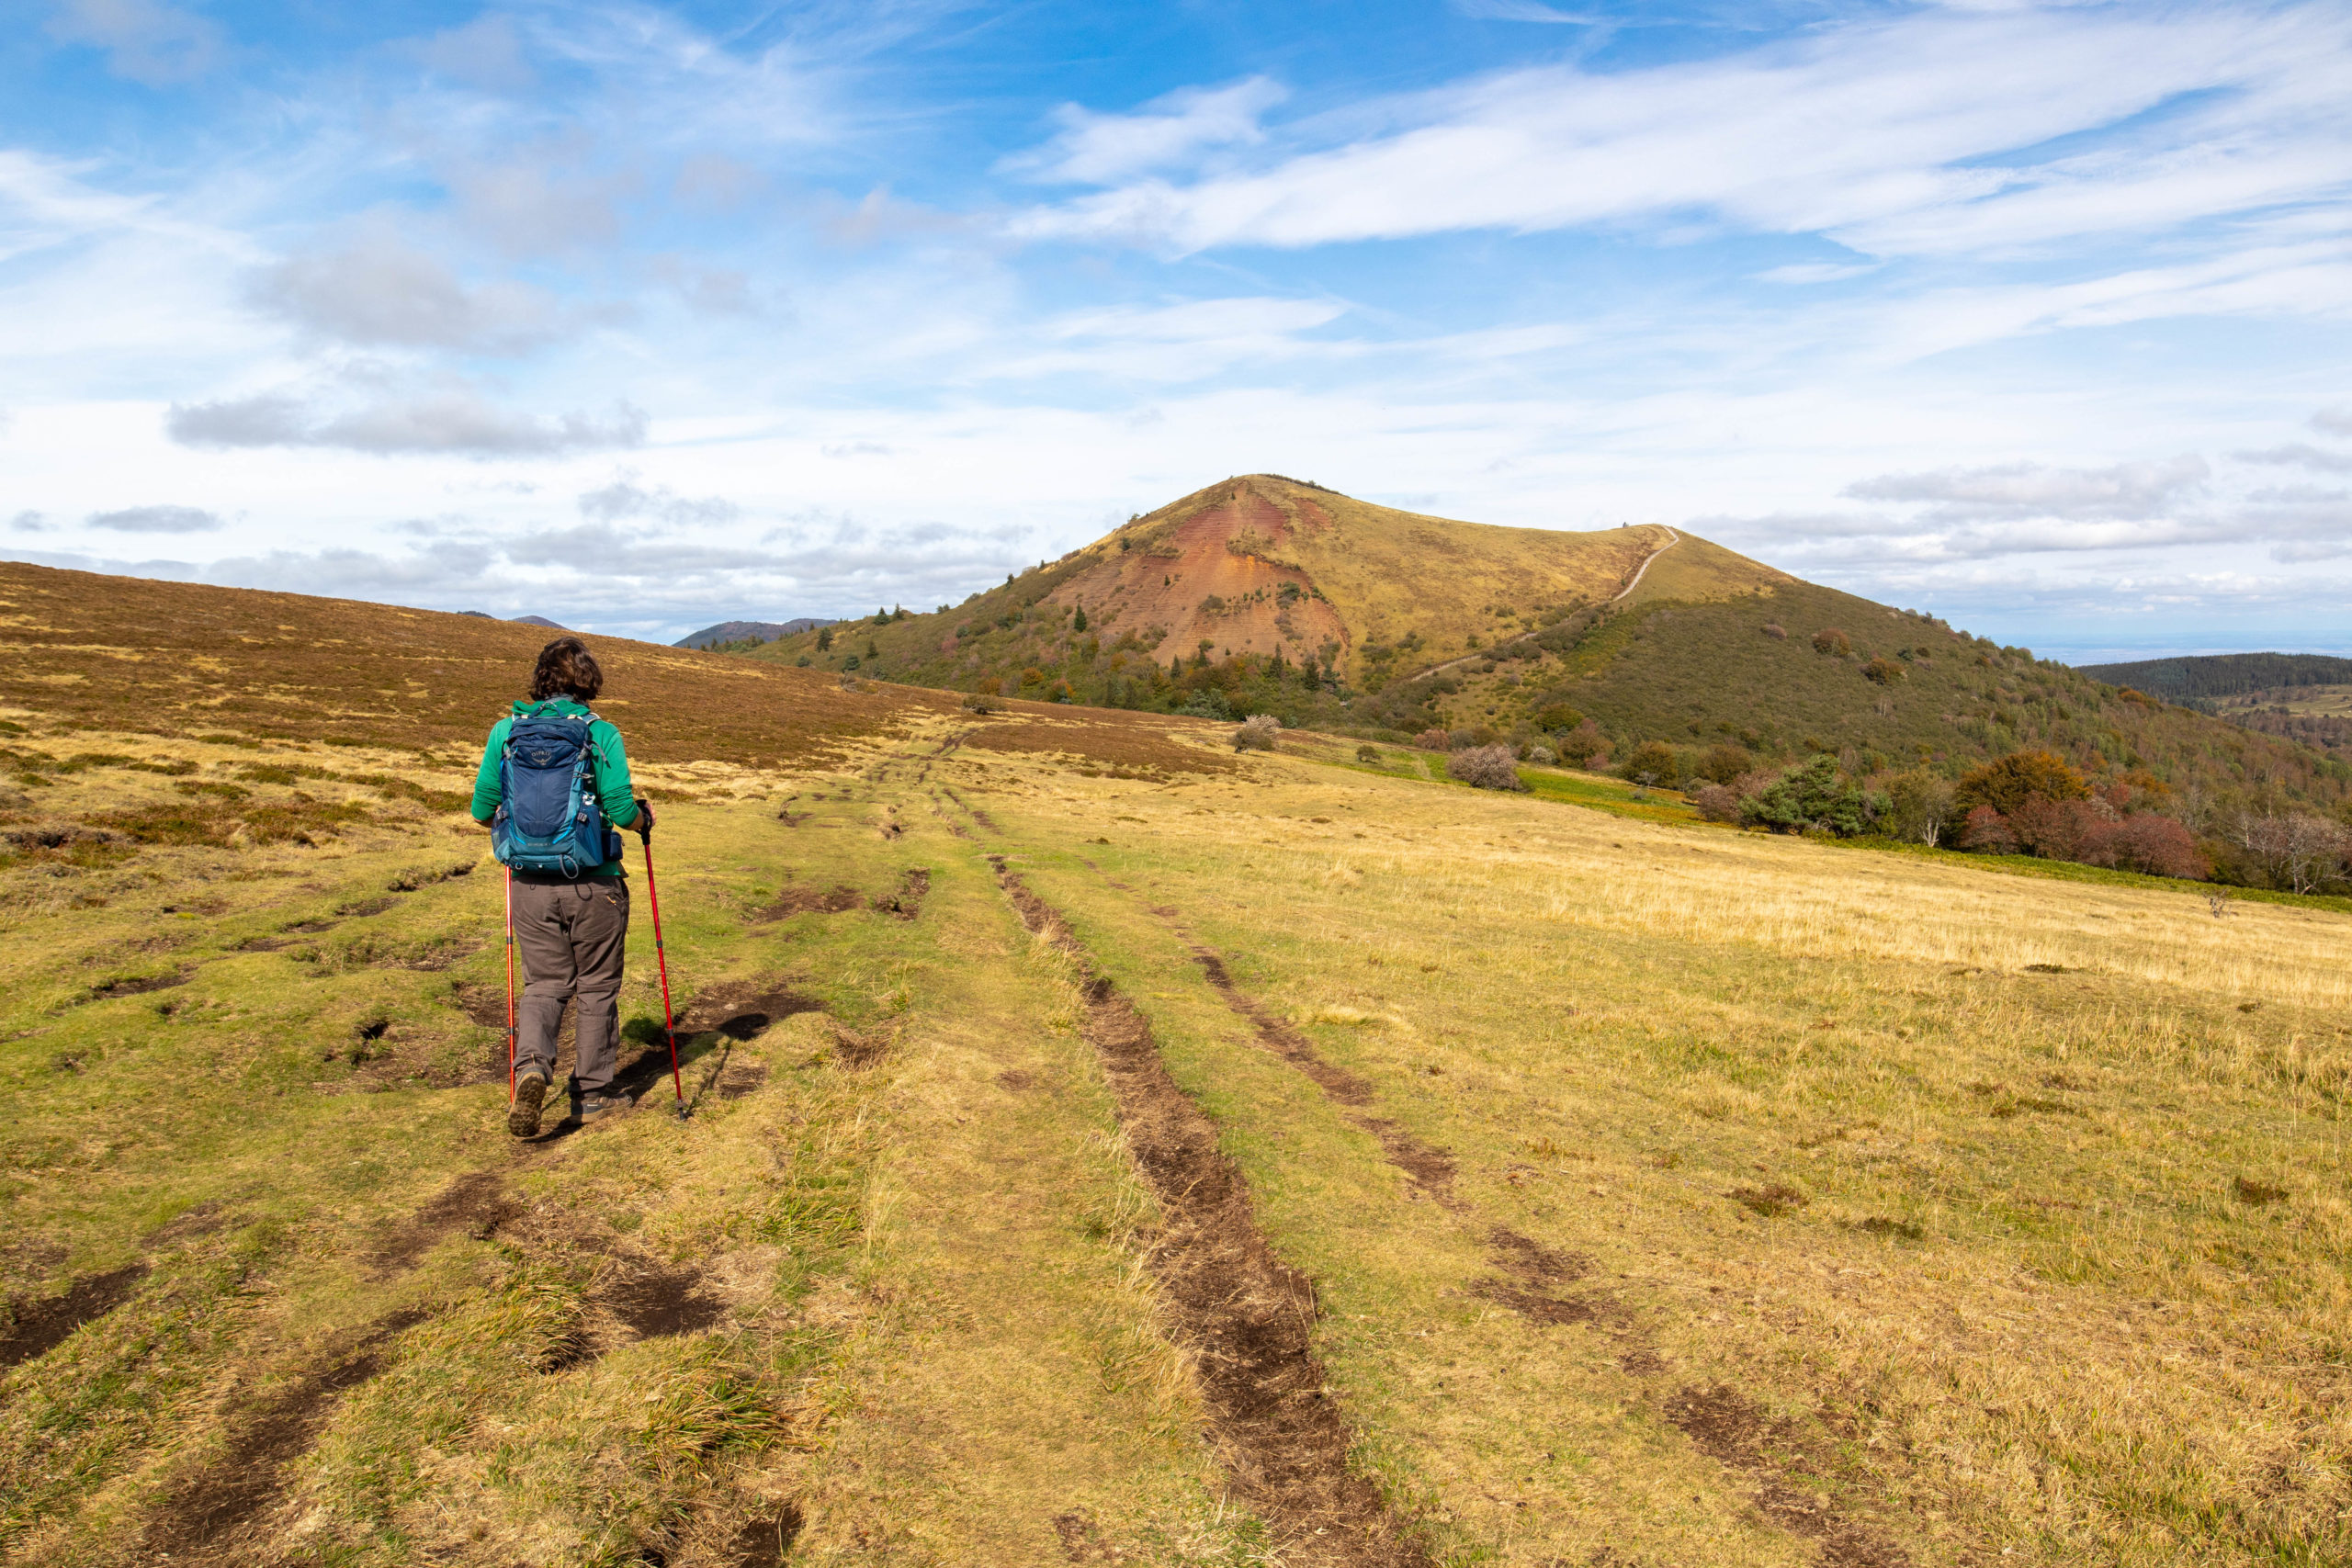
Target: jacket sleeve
[(487, 792), (614, 790)]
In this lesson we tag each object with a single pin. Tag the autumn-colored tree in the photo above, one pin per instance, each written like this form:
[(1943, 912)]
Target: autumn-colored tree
[(2008, 783), (1723, 764), (1652, 763)]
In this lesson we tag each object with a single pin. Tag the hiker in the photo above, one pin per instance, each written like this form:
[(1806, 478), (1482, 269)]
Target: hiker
[(552, 787)]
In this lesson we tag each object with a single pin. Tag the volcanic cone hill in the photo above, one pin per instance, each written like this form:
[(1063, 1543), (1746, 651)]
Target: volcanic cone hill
[(1263, 595)]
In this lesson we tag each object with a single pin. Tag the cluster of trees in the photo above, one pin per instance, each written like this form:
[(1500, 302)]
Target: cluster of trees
[(2033, 803), (2027, 802)]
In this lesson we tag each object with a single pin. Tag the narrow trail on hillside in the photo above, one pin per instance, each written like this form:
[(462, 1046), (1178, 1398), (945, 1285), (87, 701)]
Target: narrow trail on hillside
[(1672, 539), (1247, 1316)]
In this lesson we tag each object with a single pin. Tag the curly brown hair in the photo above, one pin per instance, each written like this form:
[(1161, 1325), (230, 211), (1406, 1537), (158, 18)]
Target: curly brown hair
[(566, 668)]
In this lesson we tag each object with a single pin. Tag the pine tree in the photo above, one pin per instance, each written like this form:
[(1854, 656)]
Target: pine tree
[(825, 640), (1078, 623)]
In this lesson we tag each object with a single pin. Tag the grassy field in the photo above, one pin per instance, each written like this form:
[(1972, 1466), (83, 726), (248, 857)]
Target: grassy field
[(1106, 1149)]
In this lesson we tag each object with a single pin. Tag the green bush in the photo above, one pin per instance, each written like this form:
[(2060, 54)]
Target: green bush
[(1816, 798)]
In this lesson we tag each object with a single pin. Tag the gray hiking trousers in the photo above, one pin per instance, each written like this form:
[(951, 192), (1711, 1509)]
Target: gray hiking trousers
[(571, 935)]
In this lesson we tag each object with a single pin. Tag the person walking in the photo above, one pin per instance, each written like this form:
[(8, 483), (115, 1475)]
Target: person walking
[(552, 787)]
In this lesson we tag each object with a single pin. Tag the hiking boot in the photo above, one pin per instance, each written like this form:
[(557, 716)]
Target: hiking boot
[(522, 1116), (594, 1105)]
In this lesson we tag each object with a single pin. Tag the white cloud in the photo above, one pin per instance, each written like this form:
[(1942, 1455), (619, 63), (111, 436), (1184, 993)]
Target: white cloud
[(2020, 491), (486, 53), (379, 290), (153, 44), (625, 498), (2334, 422), (1097, 149), (452, 422), (155, 520), (2301, 455)]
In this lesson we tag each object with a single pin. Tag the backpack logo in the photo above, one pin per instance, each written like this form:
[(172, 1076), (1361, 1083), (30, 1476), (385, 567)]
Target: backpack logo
[(548, 817)]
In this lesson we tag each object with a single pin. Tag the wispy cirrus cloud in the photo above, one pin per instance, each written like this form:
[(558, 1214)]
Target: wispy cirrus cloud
[(1096, 148), (1938, 118)]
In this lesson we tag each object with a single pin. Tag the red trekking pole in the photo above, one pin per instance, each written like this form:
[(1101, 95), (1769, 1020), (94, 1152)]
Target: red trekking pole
[(669, 1024), (510, 987)]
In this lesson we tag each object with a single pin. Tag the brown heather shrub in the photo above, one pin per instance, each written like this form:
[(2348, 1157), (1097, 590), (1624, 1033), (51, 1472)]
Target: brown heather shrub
[(1485, 767), (1884, 671), (1258, 733), (1431, 741), (1717, 803), (1775, 631), (1830, 640)]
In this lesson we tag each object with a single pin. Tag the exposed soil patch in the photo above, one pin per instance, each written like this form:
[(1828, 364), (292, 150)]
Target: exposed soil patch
[(1015, 1080), (39, 1324), (907, 902), (477, 1203), (808, 900), (739, 1079), (363, 909), (261, 944), (1536, 1306), (310, 927), (1245, 1315), (1734, 1433), (742, 1012), (661, 1303), (765, 1538), (1082, 1542), (228, 1492), (1431, 1168), (1532, 1262), (138, 985)]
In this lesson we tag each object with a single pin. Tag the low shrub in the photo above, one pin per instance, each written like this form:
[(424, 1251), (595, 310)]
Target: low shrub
[(1653, 762), (1257, 733), (1829, 640), (981, 702), (1717, 803), (1884, 671), (1485, 767), (1367, 754), (1541, 756), (1431, 741)]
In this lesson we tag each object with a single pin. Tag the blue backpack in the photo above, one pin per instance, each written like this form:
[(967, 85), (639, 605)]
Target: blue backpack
[(548, 817)]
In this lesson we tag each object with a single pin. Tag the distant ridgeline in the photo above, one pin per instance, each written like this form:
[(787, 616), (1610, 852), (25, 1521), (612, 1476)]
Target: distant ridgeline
[(2188, 680), (1261, 594), (734, 636)]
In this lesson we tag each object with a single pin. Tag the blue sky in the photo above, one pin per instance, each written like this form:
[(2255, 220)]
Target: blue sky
[(2036, 317)]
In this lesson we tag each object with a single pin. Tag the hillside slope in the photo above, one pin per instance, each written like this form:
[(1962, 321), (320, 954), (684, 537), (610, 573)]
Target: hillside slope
[(2223, 674), (1263, 595)]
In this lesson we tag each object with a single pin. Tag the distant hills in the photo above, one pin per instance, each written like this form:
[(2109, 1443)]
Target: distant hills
[(1262, 593), (2223, 674), (518, 620), (746, 633)]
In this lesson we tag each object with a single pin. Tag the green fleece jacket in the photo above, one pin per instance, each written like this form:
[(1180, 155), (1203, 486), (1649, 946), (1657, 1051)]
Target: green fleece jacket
[(613, 788)]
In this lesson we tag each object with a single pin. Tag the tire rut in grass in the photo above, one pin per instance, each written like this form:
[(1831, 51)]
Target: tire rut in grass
[(1246, 1316), (228, 1492), (39, 1325), (1729, 1430), (1431, 1168)]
